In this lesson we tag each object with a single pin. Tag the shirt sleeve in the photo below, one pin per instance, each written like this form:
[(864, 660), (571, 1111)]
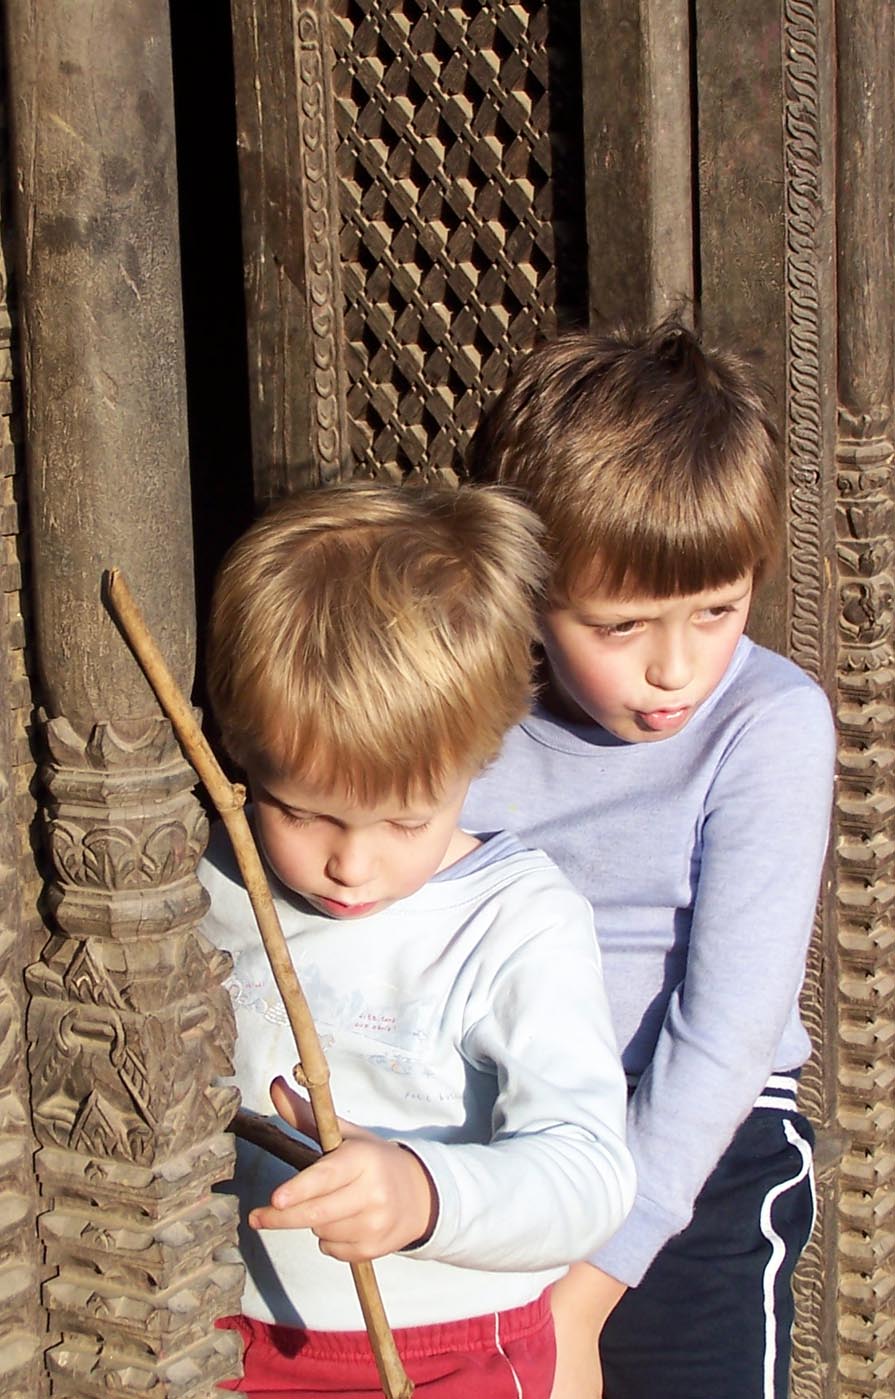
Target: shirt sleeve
[(764, 837), (556, 1178)]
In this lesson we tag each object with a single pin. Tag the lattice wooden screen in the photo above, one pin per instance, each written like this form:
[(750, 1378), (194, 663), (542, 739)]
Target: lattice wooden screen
[(459, 192)]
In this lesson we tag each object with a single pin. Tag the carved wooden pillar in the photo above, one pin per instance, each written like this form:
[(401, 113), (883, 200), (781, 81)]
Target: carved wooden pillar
[(128, 1023), (866, 680), (21, 1316), (765, 76), (637, 99), (286, 139)]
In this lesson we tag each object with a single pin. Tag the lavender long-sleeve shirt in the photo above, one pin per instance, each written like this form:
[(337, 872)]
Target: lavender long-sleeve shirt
[(701, 855)]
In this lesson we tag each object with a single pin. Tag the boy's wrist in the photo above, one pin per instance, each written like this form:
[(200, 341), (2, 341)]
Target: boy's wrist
[(429, 1203)]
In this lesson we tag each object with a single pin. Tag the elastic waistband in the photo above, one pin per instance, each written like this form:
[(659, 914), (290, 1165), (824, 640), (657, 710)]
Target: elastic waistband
[(469, 1334), (780, 1092)]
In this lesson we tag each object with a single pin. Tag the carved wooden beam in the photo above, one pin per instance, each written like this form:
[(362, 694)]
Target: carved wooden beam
[(290, 243), (637, 101), (128, 1023), (865, 577)]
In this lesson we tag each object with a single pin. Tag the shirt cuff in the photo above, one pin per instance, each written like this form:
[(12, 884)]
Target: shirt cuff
[(633, 1247)]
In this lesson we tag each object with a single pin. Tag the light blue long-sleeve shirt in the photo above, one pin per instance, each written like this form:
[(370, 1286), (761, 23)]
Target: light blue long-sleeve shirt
[(450, 1022), (701, 856)]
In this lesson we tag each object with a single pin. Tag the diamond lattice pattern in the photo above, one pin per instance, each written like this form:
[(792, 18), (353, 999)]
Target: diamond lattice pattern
[(446, 193)]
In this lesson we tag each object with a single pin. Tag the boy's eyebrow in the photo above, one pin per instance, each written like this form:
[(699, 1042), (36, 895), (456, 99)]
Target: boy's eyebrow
[(611, 610), (403, 815), (636, 609), (287, 806)]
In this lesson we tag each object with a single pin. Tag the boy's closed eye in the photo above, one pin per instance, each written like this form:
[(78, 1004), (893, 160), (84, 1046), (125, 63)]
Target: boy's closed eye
[(615, 628), (297, 818)]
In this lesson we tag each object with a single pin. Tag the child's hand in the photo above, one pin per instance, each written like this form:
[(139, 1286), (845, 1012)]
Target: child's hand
[(580, 1303), (367, 1198)]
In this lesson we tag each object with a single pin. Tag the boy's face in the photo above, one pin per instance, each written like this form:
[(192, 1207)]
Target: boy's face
[(348, 859), (642, 666)]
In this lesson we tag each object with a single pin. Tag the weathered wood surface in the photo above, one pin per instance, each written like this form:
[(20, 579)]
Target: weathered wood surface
[(865, 588), (637, 106), (128, 1023), (408, 174), (290, 243), (414, 197)]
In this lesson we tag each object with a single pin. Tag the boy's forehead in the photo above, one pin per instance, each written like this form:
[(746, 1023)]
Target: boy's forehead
[(594, 594), (305, 789)]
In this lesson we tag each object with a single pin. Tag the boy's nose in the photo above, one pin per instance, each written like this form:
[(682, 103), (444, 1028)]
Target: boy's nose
[(349, 862), (669, 666)]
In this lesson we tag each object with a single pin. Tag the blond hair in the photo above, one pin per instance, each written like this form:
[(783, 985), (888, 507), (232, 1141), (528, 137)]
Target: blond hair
[(375, 638), (651, 460)]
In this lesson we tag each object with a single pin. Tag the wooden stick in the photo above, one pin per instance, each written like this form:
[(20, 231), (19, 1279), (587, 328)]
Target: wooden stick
[(260, 1131), (312, 1072)]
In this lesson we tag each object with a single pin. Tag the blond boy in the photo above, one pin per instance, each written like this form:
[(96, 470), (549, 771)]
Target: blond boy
[(369, 648)]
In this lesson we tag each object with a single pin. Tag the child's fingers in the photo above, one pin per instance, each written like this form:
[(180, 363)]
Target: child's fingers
[(362, 1200), (297, 1111), (326, 1215), (324, 1178), (355, 1247)]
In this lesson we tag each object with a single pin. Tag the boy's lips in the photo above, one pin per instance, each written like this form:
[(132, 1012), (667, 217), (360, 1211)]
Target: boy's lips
[(660, 719), (343, 910)]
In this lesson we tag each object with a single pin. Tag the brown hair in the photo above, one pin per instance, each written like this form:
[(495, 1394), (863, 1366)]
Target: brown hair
[(652, 461), (376, 638)]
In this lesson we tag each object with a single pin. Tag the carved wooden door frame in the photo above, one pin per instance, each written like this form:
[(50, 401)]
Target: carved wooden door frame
[(412, 189)]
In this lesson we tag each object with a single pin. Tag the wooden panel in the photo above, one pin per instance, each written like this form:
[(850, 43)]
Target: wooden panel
[(637, 106), (293, 295), (411, 183), (445, 162)]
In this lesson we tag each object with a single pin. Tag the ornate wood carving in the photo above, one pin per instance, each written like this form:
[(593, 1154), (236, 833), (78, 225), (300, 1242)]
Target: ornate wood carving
[(866, 678), (290, 240), (810, 439), (21, 1322), (21, 1317), (128, 1024), (413, 207)]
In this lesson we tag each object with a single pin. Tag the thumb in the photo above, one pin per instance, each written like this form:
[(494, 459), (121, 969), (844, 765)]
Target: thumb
[(297, 1111), (293, 1108)]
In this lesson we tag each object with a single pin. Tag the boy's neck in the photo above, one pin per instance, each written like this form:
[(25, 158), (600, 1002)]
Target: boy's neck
[(462, 843)]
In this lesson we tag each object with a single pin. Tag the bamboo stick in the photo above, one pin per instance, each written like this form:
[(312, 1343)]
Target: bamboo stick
[(312, 1072)]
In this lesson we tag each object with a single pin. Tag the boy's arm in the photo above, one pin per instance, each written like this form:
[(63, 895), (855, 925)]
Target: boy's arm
[(556, 1172), (764, 838), (555, 1178), (580, 1302)]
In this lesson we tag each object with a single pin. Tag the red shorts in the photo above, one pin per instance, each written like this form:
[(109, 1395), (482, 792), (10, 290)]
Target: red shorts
[(504, 1355)]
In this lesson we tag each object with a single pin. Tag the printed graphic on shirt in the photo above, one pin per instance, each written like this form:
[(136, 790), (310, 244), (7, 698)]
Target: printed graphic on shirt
[(389, 1037)]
